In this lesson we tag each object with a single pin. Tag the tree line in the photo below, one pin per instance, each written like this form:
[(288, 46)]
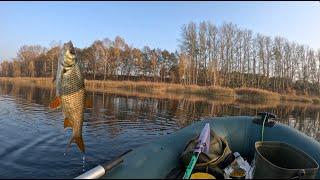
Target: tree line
[(104, 59), (208, 55)]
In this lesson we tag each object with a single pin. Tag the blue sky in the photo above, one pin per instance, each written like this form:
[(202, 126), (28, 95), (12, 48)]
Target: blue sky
[(156, 24)]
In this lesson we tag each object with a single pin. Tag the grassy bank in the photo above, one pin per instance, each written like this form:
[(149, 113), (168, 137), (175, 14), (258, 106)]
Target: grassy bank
[(302, 99), (168, 90), (256, 95), (42, 82), (153, 87)]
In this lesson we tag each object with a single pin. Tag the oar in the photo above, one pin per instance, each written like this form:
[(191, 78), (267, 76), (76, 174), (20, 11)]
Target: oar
[(202, 146), (101, 170)]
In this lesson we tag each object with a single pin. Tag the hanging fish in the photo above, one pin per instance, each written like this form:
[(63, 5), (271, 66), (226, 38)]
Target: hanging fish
[(70, 93)]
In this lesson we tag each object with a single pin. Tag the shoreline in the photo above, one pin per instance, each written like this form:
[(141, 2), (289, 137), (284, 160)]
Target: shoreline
[(155, 89)]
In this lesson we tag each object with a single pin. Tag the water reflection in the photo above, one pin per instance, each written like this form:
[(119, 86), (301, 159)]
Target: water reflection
[(117, 121), (123, 112)]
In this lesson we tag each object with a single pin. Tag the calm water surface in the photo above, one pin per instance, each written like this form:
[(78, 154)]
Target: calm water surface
[(33, 140)]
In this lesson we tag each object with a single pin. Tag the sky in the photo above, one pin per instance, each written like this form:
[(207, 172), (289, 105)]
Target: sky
[(141, 23)]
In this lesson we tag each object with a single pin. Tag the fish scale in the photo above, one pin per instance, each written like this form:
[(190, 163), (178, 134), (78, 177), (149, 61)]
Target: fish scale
[(73, 98), (72, 81), (73, 94)]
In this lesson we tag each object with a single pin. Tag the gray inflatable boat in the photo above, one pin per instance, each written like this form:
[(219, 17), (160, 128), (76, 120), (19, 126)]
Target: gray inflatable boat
[(157, 159)]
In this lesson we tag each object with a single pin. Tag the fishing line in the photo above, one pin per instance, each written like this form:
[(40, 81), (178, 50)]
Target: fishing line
[(262, 131)]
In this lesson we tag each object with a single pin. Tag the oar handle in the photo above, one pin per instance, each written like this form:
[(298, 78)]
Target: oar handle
[(118, 160), (101, 170), (94, 173)]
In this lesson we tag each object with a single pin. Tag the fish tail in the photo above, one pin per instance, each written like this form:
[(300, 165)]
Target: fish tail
[(79, 141)]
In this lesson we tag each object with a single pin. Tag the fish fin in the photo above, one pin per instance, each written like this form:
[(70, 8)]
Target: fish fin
[(67, 123), (88, 103), (55, 103), (78, 141), (68, 146)]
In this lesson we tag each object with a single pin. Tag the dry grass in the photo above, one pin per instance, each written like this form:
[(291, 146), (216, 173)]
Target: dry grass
[(143, 86), (302, 99), (221, 91), (213, 91), (256, 95), (316, 100), (128, 85), (164, 89), (43, 82), (174, 91)]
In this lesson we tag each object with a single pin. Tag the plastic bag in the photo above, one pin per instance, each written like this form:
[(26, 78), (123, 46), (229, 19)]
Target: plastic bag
[(239, 162)]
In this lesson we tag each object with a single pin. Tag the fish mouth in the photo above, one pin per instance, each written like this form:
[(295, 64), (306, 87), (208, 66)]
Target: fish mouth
[(69, 58), (72, 51)]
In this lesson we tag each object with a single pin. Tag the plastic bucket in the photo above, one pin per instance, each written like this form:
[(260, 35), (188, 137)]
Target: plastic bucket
[(280, 160)]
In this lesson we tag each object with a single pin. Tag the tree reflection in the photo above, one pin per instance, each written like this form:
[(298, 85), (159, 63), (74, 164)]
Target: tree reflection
[(118, 112)]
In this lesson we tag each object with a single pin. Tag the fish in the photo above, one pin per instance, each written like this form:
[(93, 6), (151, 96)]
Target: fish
[(70, 93)]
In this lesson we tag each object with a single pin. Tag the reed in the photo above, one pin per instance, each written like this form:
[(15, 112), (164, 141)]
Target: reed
[(27, 81), (143, 86), (316, 100), (256, 95), (170, 90)]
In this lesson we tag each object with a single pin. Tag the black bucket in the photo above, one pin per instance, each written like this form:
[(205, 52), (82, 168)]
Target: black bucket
[(280, 160)]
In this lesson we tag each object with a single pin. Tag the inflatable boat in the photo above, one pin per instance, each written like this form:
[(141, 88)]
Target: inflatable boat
[(157, 159)]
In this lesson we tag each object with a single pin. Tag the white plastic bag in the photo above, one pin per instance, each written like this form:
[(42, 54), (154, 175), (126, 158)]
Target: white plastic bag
[(239, 162)]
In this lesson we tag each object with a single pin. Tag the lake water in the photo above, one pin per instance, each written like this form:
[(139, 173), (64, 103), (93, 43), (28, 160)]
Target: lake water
[(33, 140)]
